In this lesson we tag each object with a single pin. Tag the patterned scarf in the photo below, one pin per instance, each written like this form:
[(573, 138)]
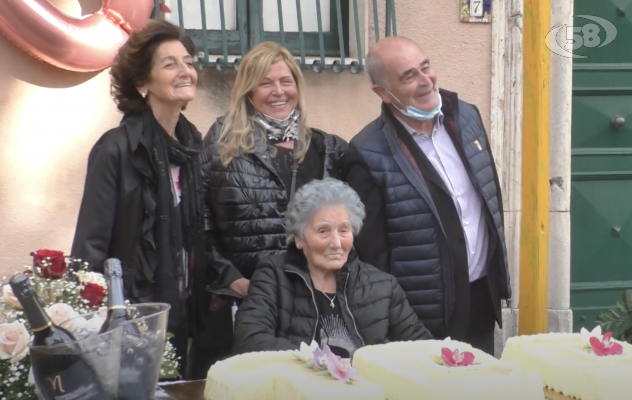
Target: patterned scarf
[(280, 129)]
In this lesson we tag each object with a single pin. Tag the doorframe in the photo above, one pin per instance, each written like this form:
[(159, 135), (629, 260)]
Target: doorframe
[(506, 143)]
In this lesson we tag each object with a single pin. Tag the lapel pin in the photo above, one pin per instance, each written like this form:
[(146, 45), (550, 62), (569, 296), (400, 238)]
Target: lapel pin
[(478, 144)]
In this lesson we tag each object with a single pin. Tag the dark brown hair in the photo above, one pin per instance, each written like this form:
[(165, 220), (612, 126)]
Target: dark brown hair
[(132, 66)]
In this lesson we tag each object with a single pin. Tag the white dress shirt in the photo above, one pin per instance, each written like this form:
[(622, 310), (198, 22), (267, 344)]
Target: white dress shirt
[(440, 150)]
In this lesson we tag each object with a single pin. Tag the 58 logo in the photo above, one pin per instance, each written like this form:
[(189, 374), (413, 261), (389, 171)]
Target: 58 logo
[(575, 37)]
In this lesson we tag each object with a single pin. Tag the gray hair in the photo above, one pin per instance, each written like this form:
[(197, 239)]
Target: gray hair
[(374, 65), (374, 62), (317, 194)]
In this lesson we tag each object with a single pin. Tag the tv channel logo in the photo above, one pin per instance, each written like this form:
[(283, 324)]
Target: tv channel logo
[(563, 40)]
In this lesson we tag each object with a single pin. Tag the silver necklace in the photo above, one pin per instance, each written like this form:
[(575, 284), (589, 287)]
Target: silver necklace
[(331, 300)]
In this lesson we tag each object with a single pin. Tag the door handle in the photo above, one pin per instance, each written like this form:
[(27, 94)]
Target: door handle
[(617, 122)]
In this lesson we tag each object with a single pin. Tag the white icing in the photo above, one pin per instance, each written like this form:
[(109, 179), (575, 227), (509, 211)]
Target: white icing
[(279, 376), (580, 351), (407, 370), (558, 359), (438, 364)]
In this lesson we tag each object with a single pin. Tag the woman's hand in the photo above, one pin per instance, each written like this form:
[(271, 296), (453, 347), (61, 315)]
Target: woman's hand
[(240, 286)]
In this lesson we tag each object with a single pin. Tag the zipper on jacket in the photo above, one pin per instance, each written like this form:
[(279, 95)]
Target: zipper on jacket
[(347, 305), (448, 280), (313, 299), (449, 290)]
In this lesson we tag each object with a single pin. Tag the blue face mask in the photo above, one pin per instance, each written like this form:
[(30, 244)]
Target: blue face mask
[(416, 113)]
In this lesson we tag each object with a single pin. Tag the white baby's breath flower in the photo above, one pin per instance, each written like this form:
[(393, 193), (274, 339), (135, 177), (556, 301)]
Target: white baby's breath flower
[(91, 277)]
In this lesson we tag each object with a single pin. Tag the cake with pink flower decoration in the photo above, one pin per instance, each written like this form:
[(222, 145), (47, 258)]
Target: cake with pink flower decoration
[(585, 365), (310, 373), (449, 369)]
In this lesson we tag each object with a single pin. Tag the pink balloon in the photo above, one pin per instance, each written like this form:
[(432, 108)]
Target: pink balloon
[(134, 12), (76, 44)]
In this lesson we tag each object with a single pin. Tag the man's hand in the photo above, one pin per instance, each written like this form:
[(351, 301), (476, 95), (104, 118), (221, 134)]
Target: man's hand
[(240, 286)]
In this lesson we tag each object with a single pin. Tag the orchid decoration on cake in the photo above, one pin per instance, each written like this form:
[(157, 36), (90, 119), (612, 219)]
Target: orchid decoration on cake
[(326, 363), (305, 352), (455, 358), (319, 359), (595, 333), (601, 345), (340, 368), (606, 346)]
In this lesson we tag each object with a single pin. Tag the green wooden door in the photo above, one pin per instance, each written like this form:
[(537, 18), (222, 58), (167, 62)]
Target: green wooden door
[(601, 165)]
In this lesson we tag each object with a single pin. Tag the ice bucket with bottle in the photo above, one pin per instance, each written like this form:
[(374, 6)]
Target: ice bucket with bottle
[(78, 370), (142, 348), (131, 354)]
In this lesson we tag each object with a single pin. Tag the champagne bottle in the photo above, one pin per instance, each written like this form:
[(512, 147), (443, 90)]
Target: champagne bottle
[(117, 311), (57, 374), (132, 370)]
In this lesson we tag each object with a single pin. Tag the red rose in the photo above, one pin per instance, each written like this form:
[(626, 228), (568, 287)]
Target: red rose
[(51, 262), (93, 293)]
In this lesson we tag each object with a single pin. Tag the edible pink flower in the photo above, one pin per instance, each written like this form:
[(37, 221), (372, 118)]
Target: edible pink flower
[(319, 361), (456, 358), (606, 347), (340, 369)]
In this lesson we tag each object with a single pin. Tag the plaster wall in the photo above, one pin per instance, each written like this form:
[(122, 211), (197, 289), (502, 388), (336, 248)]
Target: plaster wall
[(50, 118)]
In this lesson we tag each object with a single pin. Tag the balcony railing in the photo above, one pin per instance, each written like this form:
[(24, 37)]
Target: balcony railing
[(322, 34)]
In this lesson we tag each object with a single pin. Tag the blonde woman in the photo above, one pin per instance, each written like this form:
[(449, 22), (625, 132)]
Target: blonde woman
[(255, 158)]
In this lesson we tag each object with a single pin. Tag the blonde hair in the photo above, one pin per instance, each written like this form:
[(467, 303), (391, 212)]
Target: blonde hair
[(237, 135)]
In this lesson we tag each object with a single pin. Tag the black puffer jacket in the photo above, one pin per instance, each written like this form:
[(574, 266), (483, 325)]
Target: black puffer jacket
[(280, 313), (246, 203), (403, 220)]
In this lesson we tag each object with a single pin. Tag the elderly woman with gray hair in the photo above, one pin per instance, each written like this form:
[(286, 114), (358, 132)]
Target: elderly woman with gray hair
[(320, 290)]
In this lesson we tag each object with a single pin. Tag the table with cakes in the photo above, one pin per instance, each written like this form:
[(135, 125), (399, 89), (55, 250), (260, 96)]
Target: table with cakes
[(194, 390), (553, 366)]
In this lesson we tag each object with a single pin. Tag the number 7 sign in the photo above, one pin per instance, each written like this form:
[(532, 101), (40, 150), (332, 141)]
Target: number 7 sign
[(476, 8), (479, 11)]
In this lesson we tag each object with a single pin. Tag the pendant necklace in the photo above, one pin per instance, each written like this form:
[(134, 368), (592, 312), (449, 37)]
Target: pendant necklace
[(331, 300)]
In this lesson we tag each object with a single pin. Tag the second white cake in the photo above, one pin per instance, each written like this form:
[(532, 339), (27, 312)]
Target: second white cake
[(422, 370)]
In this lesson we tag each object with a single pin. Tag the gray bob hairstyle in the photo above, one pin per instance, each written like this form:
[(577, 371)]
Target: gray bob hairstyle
[(317, 194)]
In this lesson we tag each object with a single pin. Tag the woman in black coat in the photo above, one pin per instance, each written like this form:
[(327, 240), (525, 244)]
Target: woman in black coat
[(142, 200), (319, 290)]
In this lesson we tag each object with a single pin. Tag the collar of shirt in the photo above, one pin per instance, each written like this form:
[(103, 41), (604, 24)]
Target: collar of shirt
[(438, 124)]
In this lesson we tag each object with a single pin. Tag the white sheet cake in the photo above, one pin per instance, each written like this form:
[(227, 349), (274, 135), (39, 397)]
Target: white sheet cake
[(279, 376), (415, 370), (567, 364)]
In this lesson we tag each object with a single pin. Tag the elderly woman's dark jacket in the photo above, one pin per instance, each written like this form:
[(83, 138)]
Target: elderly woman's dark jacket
[(246, 202), (280, 312)]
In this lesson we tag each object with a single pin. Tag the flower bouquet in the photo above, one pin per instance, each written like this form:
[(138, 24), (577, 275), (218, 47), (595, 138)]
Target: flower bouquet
[(67, 289)]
